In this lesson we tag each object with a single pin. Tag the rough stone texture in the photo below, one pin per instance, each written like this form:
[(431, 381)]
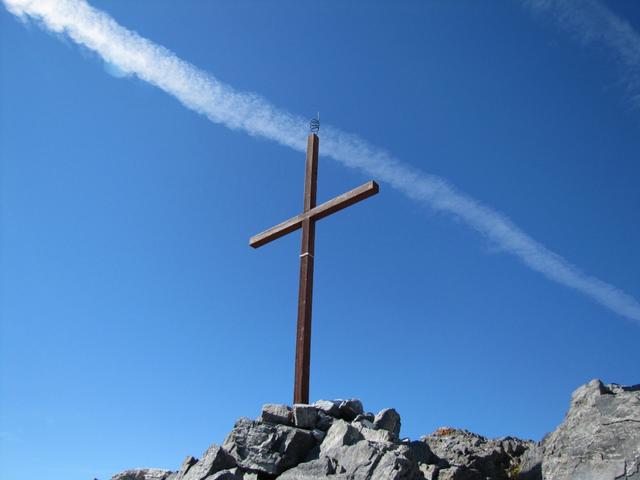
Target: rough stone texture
[(276, 413), (599, 438), (350, 409), (388, 419), (476, 456), (233, 474), (366, 419), (212, 461), (340, 434), (395, 463), (363, 422), (329, 407), (187, 463), (305, 416), (142, 474), (531, 463), (371, 461), (319, 468), (230, 474), (373, 435), (421, 452), (267, 448), (324, 421)]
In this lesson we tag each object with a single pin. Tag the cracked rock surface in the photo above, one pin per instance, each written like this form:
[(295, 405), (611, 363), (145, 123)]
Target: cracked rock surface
[(599, 439)]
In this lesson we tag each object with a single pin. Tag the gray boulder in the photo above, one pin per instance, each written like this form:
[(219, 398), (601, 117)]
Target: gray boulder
[(229, 474), (276, 413), (319, 468), (305, 416), (329, 407), (350, 409), (388, 419), (142, 474), (475, 456), (324, 421), (187, 463), (361, 461), (374, 461), (395, 463), (339, 435), (366, 419), (212, 461), (267, 448), (421, 452), (531, 463), (372, 434), (599, 438)]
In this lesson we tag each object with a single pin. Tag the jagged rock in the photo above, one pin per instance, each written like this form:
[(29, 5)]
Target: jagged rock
[(230, 474), (187, 463), (388, 419), (276, 413), (373, 435), (599, 437), (365, 419), (421, 452), (598, 440), (395, 464), (305, 416), (233, 474), (340, 434), (474, 454), (324, 421), (212, 461), (350, 409), (531, 463), (267, 448), (142, 474), (373, 461), (329, 407), (312, 470), (363, 422)]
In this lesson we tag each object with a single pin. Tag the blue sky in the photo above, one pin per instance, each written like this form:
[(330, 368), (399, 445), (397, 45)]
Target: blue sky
[(137, 324)]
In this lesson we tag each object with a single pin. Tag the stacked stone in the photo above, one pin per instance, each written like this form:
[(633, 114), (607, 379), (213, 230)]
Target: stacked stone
[(330, 438), (599, 439)]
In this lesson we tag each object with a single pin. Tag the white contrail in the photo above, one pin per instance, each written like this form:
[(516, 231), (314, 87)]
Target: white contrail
[(591, 22), (221, 103)]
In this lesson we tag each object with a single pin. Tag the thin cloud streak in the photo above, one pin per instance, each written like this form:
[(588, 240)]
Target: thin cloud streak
[(592, 23), (201, 92)]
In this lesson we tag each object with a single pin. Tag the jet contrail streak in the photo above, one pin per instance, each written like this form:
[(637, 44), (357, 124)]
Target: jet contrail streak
[(221, 103), (591, 22)]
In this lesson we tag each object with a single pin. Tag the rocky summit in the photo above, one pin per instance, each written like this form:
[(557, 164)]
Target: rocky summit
[(599, 439)]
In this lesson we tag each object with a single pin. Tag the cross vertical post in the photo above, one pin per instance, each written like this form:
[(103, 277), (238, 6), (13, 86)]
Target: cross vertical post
[(307, 222), (305, 292)]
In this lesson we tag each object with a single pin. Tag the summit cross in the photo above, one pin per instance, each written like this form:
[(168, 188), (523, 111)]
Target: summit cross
[(307, 221)]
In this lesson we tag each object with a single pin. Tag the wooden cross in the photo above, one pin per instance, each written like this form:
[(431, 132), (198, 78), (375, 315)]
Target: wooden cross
[(307, 221)]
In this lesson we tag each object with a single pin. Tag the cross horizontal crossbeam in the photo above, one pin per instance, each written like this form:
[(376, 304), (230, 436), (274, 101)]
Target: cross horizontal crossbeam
[(338, 203)]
